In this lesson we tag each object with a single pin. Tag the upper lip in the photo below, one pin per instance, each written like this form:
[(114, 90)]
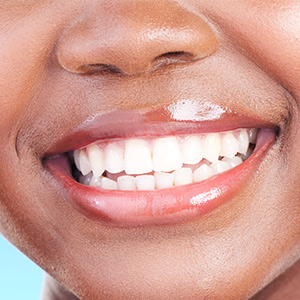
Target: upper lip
[(152, 123)]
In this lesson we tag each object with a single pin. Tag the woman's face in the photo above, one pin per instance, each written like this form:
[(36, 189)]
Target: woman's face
[(80, 72)]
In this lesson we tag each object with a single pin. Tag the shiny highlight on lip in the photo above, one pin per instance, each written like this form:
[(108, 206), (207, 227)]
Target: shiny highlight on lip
[(193, 110), (202, 198)]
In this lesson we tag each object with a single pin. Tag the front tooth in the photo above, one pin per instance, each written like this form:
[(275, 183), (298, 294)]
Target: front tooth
[(183, 176), (191, 150), (212, 147), (253, 135), (163, 180), (243, 140), (108, 184), (113, 159), (145, 182), (235, 161), (230, 145), (202, 173), (126, 183), (137, 157), (96, 160), (220, 166), (166, 155), (84, 164)]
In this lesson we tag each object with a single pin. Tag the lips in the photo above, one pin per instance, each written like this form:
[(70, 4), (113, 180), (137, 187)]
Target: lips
[(126, 208)]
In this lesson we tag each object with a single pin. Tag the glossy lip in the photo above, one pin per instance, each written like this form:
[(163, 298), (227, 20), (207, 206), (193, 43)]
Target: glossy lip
[(159, 207), (160, 121)]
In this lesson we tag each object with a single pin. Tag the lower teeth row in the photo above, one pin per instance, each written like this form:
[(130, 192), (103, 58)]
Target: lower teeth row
[(162, 180)]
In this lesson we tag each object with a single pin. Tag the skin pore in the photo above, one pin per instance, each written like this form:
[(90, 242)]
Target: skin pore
[(63, 62)]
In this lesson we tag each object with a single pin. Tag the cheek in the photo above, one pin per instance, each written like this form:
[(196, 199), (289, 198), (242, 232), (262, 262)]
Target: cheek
[(269, 34), (27, 42), (20, 72)]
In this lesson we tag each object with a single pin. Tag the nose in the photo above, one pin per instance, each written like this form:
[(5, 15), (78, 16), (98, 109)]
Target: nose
[(133, 37)]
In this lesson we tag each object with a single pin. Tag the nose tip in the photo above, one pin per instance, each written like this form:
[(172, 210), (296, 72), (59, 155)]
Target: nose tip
[(135, 37)]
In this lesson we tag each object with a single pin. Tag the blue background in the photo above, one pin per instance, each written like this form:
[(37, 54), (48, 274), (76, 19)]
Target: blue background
[(20, 278)]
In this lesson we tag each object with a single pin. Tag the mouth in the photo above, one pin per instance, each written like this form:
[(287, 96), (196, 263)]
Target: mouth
[(160, 180)]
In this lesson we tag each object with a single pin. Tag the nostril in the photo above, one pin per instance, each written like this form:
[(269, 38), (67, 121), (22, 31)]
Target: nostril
[(180, 55), (99, 68), (174, 57)]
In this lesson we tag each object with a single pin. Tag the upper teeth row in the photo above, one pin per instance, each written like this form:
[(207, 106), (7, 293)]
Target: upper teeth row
[(164, 154)]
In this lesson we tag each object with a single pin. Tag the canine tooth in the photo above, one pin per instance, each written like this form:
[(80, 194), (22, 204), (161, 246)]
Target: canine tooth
[(220, 166), (166, 155), (137, 157), (96, 160), (113, 159), (191, 150), (76, 159), (253, 135), (230, 145), (202, 173), (183, 176), (145, 182), (211, 147), (235, 161), (126, 183), (95, 181), (163, 180), (108, 184), (243, 140), (84, 163)]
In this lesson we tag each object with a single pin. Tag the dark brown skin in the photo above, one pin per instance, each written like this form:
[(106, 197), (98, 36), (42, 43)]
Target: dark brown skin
[(240, 53)]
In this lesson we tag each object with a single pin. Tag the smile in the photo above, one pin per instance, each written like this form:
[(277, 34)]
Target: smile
[(167, 179), (143, 164)]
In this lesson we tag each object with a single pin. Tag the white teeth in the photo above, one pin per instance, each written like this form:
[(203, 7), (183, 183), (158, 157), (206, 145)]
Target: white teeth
[(76, 159), (126, 183), (96, 160), (166, 155), (253, 135), (163, 180), (108, 184), (137, 157), (230, 145), (145, 182), (134, 157), (113, 159), (95, 181), (84, 164), (235, 161), (191, 150), (202, 173), (220, 166), (183, 176), (243, 140), (212, 147)]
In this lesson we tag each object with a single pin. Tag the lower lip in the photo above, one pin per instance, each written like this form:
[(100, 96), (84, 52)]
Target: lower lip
[(159, 207)]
